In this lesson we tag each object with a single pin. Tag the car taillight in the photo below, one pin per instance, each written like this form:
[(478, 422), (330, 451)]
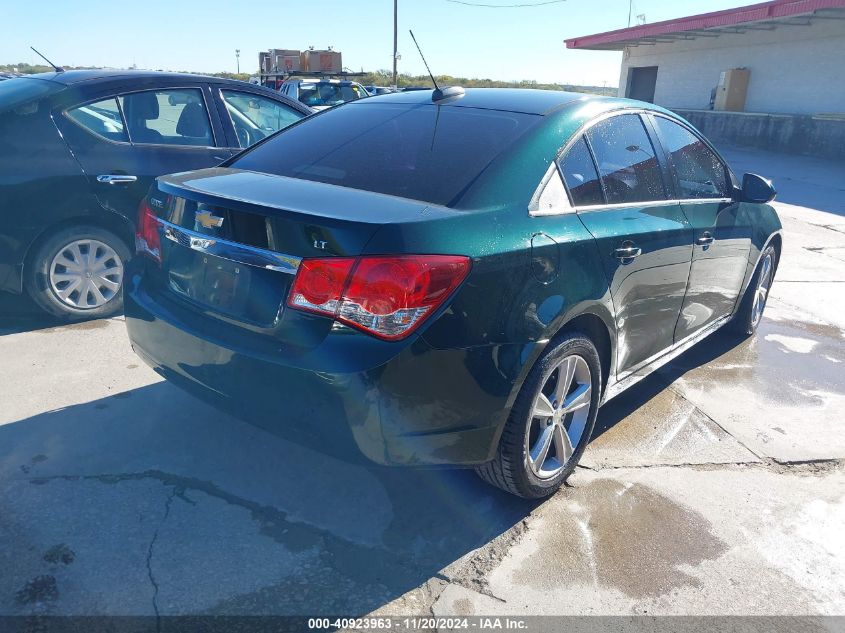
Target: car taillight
[(387, 296), (147, 240)]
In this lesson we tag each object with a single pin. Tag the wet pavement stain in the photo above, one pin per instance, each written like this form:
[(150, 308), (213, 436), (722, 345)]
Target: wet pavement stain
[(39, 589), (618, 535), (60, 553), (36, 459), (788, 363)]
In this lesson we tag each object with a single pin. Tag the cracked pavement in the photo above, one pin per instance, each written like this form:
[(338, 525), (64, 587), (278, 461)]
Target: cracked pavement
[(716, 486)]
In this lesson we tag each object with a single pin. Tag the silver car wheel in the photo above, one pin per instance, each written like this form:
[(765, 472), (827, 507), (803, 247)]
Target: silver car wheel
[(86, 274), (761, 294), (558, 418)]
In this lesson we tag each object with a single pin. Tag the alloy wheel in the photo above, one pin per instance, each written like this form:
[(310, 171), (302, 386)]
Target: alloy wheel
[(559, 416), (86, 274), (761, 294)]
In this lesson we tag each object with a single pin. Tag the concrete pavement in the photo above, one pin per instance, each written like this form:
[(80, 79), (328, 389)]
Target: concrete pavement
[(713, 487)]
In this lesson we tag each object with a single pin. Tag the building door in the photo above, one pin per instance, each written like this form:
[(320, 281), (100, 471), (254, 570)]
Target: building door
[(641, 82)]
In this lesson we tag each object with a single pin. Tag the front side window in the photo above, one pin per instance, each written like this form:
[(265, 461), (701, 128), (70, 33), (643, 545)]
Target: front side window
[(101, 118), (699, 172), (579, 173), (255, 117), (167, 117), (626, 160), (422, 152)]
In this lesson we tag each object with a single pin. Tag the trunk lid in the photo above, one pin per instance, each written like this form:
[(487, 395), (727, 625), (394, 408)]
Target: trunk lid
[(232, 240)]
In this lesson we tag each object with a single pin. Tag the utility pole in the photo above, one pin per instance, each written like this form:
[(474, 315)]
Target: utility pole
[(630, 3), (238, 59), (395, 10)]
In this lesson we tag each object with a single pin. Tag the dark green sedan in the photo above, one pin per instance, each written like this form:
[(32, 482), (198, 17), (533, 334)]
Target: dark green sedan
[(456, 279)]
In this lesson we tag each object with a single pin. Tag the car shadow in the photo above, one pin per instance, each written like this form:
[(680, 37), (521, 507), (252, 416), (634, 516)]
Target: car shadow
[(171, 506), (18, 314), (226, 518)]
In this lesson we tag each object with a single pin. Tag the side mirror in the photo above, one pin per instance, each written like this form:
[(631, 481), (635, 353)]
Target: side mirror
[(757, 189)]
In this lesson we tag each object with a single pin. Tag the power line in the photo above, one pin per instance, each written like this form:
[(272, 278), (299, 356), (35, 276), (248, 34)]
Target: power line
[(506, 6)]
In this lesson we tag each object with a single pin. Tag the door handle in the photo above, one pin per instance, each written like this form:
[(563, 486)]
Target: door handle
[(116, 179), (706, 239), (627, 251)]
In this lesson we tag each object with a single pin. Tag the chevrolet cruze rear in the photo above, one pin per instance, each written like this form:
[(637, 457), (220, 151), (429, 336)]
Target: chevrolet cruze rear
[(459, 281)]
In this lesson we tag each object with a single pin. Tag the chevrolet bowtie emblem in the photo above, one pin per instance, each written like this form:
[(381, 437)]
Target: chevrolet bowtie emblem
[(208, 219)]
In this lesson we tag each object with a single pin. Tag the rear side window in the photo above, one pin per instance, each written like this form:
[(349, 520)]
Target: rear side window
[(424, 152), (626, 159), (698, 171), (101, 118), (167, 117), (579, 173)]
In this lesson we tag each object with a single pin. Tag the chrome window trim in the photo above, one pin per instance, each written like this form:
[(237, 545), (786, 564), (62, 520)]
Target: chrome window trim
[(232, 251), (626, 205), (535, 205), (652, 203), (706, 200)]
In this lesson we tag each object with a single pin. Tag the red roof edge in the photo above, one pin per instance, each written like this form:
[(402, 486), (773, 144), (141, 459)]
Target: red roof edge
[(727, 17)]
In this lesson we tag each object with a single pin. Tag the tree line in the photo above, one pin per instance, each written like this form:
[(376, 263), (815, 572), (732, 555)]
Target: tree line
[(383, 78)]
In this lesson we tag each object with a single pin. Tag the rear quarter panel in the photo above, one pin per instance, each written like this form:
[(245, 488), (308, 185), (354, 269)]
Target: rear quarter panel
[(503, 316), (40, 185)]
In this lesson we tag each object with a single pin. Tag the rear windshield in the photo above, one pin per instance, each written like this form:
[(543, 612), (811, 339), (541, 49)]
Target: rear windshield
[(423, 152), (324, 93), (19, 92)]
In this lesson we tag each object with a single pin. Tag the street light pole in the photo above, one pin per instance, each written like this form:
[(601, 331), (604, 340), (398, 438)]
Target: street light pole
[(395, 10), (238, 59)]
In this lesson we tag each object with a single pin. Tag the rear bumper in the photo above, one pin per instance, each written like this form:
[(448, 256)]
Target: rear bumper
[(420, 406)]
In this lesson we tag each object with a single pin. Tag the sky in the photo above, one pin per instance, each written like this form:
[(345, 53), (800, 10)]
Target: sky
[(457, 40)]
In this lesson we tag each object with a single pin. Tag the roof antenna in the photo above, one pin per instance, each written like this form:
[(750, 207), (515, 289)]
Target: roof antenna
[(438, 94), (58, 69)]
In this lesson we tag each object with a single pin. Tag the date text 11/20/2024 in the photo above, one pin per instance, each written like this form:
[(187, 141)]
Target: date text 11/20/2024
[(424, 623)]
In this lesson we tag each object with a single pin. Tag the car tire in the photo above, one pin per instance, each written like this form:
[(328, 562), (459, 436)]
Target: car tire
[(747, 319), (77, 273), (571, 367)]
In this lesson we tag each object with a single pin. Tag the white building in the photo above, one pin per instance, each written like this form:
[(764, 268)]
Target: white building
[(793, 52)]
